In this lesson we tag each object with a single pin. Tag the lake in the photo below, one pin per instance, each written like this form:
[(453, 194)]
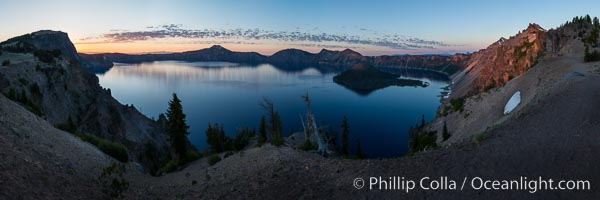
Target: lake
[(229, 94)]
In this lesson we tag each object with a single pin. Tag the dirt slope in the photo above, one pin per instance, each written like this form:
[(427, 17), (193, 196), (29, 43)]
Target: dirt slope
[(39, 161)]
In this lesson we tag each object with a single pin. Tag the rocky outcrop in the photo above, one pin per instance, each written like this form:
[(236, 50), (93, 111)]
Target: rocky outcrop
[(47, 40), (63, 91), (500, 62)]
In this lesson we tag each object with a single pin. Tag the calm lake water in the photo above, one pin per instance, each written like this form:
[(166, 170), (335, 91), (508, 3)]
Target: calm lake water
[(229, 94)]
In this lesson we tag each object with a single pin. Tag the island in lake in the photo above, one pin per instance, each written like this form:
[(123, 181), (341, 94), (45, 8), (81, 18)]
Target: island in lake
[(364, 79)]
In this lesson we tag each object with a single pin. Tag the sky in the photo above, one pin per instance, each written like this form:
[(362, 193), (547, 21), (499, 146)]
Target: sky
[(370, 27)]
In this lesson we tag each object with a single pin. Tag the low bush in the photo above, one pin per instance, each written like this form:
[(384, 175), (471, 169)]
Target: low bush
[(422, 141), (170, 166), (308, 146), (480, 137), (457, 104), (6, 62), (213, 159), (47, 56), (242, 138), (113, 149), (191, 156), (229, 153), (112, 181)]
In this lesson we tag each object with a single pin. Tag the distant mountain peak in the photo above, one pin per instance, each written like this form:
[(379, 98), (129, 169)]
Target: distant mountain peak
[(326, 51), (218, 47), (350, 52)]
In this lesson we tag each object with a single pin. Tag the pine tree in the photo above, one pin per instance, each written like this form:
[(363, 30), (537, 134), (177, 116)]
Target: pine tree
[(275, 126), (345, 145), (445, 133), (177, 129), (276, 137), (359, 153), (423, 120), (216, 138), (262, 131)]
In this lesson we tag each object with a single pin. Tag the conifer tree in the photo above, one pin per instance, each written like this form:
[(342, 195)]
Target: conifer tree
[(345, 133), (445, 134), (359, 153), (262, 131), (177, 128)]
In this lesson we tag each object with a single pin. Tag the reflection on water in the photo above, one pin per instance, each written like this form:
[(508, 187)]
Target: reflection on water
[(228, 93)]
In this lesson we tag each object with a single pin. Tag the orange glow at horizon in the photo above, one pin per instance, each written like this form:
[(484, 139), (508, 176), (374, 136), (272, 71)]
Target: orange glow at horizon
[(264, 47), (148, 47)]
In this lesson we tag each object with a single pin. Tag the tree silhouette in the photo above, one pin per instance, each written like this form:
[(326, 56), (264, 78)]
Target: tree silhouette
[(345, 145), (177, 129)]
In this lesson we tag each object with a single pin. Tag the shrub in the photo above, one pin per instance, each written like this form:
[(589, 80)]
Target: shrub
[(35, 89), (47, 56), (229, 153), (480, 137), (113, 149), (421, 141), (308, 146), (242, 138), (191, 156), (112, 181), (170, 166), (6, 62), (445, 134), (69, 126), (457, 104), (213, 159), (12, 94), (592, 56)]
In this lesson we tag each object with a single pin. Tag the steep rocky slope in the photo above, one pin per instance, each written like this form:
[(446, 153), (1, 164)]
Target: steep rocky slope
[(58, 89), (500, 62), (484, 111), (39, 161)]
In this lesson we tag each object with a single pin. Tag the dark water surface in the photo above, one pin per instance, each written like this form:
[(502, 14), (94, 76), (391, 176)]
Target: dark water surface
[(229, 93)]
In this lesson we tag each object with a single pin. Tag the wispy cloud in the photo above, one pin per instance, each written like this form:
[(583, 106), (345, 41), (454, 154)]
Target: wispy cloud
[(298, 37)]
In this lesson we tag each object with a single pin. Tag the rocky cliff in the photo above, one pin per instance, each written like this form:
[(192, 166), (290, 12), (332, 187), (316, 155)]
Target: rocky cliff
[(556, 61), (500, 62), (57, 88)]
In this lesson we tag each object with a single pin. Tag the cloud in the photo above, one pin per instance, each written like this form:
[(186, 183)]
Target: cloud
[(298, 37)]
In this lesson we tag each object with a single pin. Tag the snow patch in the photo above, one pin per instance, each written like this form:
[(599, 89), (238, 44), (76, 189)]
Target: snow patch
[(513, 102)]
